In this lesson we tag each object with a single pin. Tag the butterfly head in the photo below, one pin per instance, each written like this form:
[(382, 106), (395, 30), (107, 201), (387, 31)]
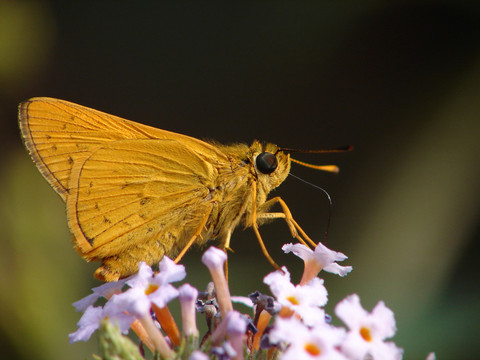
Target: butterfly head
[(270, 164)]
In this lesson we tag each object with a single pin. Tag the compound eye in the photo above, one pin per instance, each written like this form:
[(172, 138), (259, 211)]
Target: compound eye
[(266, 162)]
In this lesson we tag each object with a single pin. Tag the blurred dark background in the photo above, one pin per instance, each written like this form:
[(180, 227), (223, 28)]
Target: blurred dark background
[(399, 81)]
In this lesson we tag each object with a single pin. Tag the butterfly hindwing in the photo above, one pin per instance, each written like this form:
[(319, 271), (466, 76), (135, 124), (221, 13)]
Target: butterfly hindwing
[(150, 189)]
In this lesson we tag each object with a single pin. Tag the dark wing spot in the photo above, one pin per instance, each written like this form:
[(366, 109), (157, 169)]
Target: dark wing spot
[(90, 240), (144, 201)]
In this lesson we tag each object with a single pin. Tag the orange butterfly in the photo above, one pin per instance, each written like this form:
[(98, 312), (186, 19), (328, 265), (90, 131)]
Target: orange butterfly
[(135, 193)]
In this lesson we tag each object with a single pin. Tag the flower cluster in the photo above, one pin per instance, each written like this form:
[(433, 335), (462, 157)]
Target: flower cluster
[(291, 324)]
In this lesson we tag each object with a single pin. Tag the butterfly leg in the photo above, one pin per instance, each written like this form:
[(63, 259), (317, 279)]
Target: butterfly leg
[(194, 237), (255, 228), (287, 215)]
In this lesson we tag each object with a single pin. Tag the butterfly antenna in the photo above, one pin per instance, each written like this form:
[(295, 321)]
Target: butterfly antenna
[(328, 168), (330, 207), (339, 149)]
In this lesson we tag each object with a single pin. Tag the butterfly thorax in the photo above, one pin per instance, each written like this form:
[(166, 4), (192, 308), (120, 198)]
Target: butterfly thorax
[(236, 182)]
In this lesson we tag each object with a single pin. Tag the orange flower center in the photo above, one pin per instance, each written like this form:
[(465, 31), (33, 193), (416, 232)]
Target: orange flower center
[(365, 334), (151, 289), (312, 349), (293, 300)]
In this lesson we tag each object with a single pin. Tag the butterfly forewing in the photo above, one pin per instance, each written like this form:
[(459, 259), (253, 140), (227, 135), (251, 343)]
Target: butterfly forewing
[(59, 133)]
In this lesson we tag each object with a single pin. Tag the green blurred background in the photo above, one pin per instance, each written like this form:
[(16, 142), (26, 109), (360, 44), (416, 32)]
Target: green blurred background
[(398, 80)]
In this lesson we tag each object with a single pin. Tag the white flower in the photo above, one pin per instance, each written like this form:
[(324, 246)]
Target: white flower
[(214, 259), (91, 318), (237, 326), (188, 296), (318, 259), (305, 300), (106, 290), (367, 330), (198, 355), (136, 301), (87, 325), (233, 324), (318, 342), (169, 272), (146, 289)]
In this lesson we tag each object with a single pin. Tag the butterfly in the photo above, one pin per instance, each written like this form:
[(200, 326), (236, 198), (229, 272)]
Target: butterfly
[(136, 193)]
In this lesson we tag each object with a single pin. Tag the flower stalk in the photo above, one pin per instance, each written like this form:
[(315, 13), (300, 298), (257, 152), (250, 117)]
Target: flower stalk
[(142, 334), (158, 340), (188, 296), (215, 259), (168, 324)]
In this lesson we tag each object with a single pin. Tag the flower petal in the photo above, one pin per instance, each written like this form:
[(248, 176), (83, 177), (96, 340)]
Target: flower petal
[(350, 311)]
